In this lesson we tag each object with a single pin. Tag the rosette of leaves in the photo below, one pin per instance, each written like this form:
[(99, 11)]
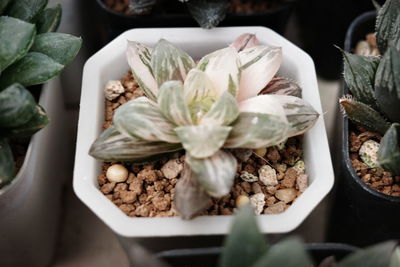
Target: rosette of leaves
[(207, 109), (375, 85), (30, 54)]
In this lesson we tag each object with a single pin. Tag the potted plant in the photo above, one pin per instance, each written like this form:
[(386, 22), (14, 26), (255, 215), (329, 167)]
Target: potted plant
[(368, 194), (109, 64), (31, 54)]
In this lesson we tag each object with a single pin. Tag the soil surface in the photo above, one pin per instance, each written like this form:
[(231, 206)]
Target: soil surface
[(149, 189)]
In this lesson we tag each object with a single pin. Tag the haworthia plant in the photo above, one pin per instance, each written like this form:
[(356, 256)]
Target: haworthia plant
[(388, 25), (198, 108), (389, 150), (49, 19)]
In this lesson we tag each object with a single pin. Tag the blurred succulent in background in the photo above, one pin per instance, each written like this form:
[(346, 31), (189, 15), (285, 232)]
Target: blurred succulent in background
[(30, 54), (207, 109), (375, 85)]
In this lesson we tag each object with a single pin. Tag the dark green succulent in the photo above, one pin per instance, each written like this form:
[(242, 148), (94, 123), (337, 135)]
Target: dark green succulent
[(30, 54), (375, 85)]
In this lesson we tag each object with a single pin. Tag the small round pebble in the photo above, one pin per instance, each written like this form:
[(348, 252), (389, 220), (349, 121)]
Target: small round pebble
[(117, 173), (261, 151), (242, 200)]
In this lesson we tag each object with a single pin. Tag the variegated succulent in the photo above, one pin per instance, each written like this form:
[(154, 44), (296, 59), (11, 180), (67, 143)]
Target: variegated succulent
[(374, 82), (206, 109)]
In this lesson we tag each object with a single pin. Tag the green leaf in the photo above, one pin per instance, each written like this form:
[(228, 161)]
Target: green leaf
[(7, 165), (61, 47), (170, 63), (389, 150), (244, 244), (387, 84), (216, 173), (363, 115), (140, 118), (16, 38), (3, 5), (374, 256), (222, 68), (49, 19), (202, 141), (259, 64), (223, 112), (277, 255), (26, 9), (34, 68), (208, 13), (359, 74), (388, 25), (172, 103), (111, 145), (190, 198), (395, 260), (17, 106), (282, 86)]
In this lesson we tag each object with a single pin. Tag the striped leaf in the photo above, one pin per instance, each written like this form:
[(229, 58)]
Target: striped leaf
[(216, 173), (139, 57), (282, 86), (27, 10), (389, 150), (223, 112), (258, 65), (387, 25), (7, 165), (111, 145), (172, 103), (246, 40), (202, 141), (222, 67), (140, 118), (170, 63)]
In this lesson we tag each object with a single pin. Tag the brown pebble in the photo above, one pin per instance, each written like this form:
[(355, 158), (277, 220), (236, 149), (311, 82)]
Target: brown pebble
[(161, 203), (148, 175), (128, 196), (289, 179), (107, 188), (136, 186)]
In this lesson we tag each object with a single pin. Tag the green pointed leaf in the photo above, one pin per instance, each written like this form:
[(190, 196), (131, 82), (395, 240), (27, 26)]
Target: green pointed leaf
[(7, 165), (387, 84), (139, 57), (222, 68), (389, 150), (363, 115), (14, 46), (111, 145), (282, 86), (244, 244), (259, 64), (3, 5), (388, 25), (26, 10), (34, 68), (395, 260), (202, 141), (277, 255), (208, 13), (246, 40), (374, 256), (216, 173), (140, 118), (17, 106), (190, 198), (49, 19), (170, 63), (172, 103), (223, 112), (61, 47)]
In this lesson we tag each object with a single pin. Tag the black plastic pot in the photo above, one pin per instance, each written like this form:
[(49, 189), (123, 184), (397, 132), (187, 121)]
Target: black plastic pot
[(112, 23), (201, 257), (360, 215)]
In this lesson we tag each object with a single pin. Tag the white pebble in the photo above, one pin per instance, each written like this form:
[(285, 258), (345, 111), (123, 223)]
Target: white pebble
[(117, 173), (300, 167), (172, 168), (113, 89), (248, 177), (286, 195), (369, 153), (258, 202), (268, 175)]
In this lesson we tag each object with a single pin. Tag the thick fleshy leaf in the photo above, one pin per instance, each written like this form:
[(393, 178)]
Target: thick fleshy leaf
[(216, 173), (7, 165), (170, 63), (139, 57), (388, 25), (61, 47), (222, 67), (202, 141), (208, 13), (49, 19), (111, 145), (34, 68), (300, 114), (142, 119), (277, 255), (246, 40), (190, 198), (223, 112), (14, 46), (27, 10), (258, 65), (140, 6), (244, 244), (389, 150), (282, 86), (172, 104)]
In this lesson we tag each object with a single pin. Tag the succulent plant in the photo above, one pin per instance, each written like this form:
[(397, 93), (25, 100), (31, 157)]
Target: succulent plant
[(207, 109), (375, 85), (30, 54)]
